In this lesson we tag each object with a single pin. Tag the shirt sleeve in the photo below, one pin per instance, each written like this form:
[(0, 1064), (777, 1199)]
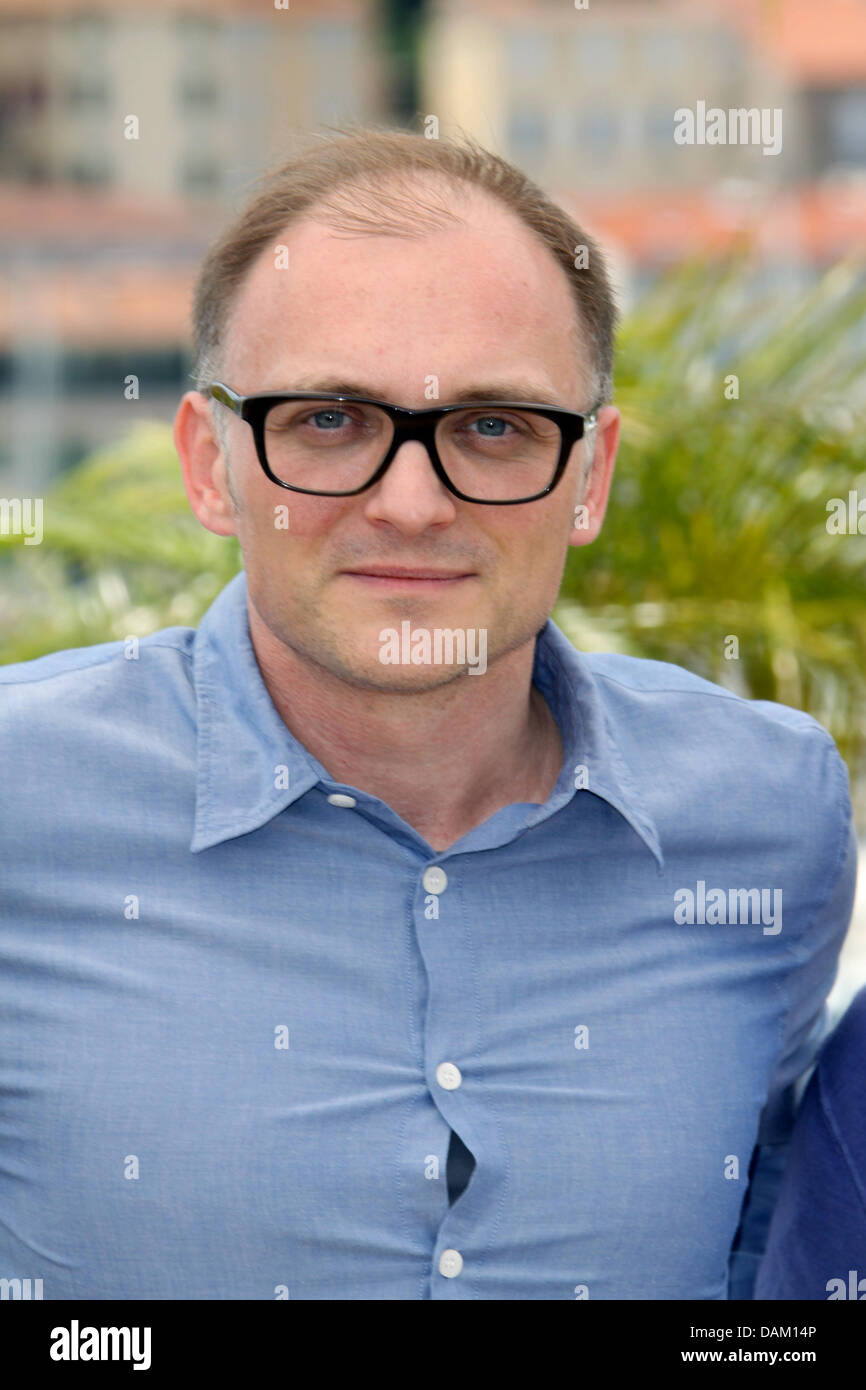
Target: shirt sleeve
[(806, 1028)]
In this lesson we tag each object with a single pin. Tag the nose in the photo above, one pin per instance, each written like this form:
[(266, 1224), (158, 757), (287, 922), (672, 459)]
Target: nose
[(410, 497)]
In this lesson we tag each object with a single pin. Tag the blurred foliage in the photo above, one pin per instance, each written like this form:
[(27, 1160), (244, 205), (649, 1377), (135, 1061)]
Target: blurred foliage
[(716, 526), (717, 520), (122, 553)]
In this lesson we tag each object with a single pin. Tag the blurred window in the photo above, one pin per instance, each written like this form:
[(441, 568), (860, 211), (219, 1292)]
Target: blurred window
[(100, 369), (846, 127), (198, 93), (529, 54), (200, 175), (598, 55), (527, 133), (25, 98), (336, 58), (598, 130), (722, 51), (664, 50), (195, 29), (87, 28), (197, 86), (89, 173), (83, 93), (660, 126), (84, 45), (29, 170)]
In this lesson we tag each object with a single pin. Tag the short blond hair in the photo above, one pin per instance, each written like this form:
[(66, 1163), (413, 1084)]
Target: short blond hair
[(365, 180)]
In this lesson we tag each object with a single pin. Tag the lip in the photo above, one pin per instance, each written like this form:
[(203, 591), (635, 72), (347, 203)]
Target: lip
[(418, 582), (412, 575)]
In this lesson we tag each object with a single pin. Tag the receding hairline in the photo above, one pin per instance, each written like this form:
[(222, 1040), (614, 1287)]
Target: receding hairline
[(357, 210), (341, 174)]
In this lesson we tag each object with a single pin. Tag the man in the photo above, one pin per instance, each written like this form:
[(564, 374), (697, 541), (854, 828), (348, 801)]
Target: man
[(816, 1246), (366, 942)]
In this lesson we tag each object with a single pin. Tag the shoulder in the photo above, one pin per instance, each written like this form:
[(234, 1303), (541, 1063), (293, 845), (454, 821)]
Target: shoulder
[(755, 777), (673, 690), (683, 714), (79, 661), (53, 693)]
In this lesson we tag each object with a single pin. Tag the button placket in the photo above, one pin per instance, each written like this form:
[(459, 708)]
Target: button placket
[(443, 952)]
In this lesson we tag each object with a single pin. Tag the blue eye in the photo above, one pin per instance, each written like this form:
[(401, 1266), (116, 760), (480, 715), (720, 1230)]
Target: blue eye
[(497, 423), (333, 417)]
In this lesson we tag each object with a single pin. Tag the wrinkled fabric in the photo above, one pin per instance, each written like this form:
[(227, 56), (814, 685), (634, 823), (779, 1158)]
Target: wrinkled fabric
[(237, 1030)]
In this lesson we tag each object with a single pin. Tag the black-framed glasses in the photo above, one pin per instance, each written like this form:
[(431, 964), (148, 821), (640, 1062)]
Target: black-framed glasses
[(494, 452)]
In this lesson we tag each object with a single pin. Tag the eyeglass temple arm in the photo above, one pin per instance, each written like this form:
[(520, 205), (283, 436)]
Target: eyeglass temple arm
[(225, 396)]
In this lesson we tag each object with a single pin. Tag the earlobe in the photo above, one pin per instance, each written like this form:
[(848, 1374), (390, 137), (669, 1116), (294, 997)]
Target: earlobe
[(585, 530)]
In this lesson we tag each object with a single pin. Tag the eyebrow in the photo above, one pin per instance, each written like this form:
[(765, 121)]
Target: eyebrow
[(482, 391)]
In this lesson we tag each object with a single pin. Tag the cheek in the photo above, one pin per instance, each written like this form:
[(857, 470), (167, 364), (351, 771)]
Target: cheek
[(534, 550), (300, 526)]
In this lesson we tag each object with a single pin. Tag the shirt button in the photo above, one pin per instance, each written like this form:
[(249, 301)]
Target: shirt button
[(341, 799), (450, 1263), (448, 1076), (435, 880)]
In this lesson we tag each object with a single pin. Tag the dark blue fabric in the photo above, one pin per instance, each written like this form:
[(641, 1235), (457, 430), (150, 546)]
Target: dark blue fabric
[(460, 1166), (816, 1248)]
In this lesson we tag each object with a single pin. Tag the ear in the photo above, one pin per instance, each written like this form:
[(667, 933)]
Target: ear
[(203, 465), (598, 448)]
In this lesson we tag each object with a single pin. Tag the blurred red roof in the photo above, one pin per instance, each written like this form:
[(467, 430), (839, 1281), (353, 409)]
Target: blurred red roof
[(820, 44), (53, 215), (815, 224)]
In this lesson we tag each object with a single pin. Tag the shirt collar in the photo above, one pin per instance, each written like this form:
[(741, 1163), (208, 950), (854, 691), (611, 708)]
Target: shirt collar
[(250, 766), (565, 677)]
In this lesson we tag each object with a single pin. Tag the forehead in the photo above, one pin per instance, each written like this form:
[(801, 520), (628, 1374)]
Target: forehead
[(481, 290)]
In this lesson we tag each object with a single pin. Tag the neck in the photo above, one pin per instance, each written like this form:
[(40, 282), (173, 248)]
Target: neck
[(445, 759)]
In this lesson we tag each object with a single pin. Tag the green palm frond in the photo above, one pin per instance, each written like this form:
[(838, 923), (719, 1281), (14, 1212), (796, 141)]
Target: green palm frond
[(717, 521), (122, 553)]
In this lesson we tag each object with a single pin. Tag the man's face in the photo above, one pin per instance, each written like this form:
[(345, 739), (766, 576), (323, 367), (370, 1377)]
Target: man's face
[(479, 306)]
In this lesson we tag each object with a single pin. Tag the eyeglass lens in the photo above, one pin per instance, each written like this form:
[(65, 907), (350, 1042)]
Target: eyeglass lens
[(490, 455)]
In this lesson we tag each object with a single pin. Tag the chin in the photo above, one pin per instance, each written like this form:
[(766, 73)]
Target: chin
[(399, 679)]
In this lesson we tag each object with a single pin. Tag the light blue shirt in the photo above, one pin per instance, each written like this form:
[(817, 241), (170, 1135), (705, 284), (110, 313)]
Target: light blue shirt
[(243, 1006)]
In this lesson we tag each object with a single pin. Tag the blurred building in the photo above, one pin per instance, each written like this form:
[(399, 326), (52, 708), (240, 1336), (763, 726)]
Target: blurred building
[(586, 97), (129, 129), (212, 84), (127, 132)]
